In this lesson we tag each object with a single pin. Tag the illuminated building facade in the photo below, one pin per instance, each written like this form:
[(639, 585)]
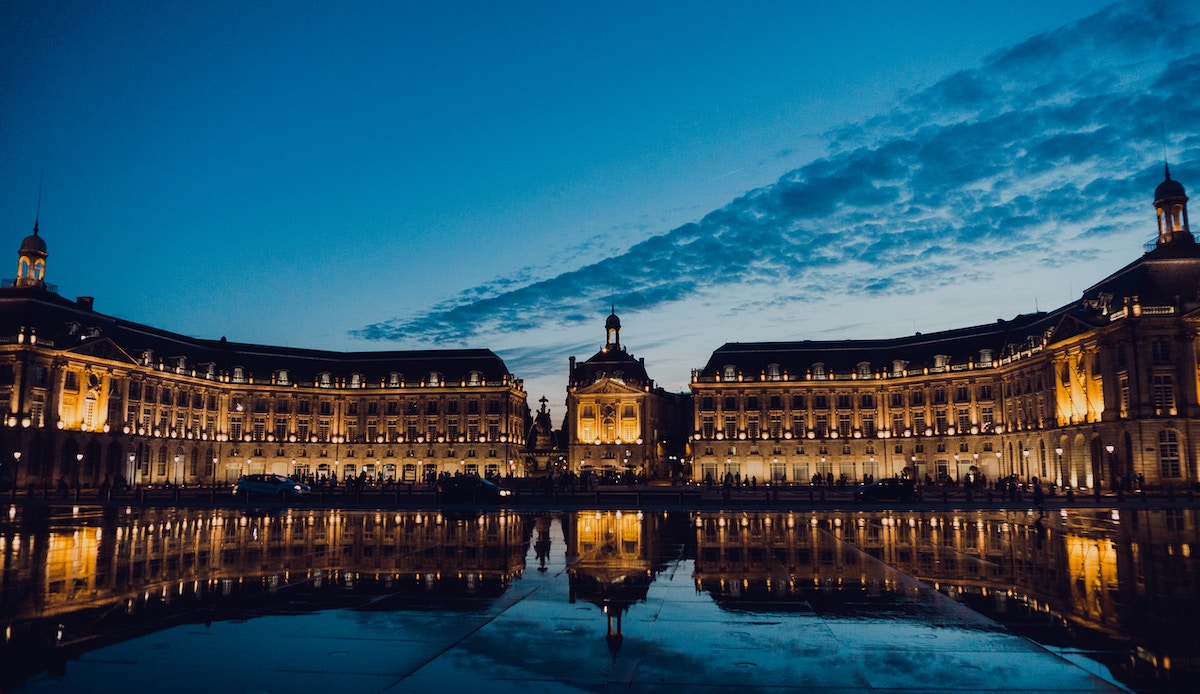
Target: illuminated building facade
[(1101, 393), (617, 419), (89, 397)]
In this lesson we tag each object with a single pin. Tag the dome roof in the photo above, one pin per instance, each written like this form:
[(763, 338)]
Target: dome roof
[(33, 243), (1169, 188), (612, 322)]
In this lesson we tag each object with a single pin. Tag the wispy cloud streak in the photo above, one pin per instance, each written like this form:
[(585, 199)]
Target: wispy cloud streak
[(1045, 148)]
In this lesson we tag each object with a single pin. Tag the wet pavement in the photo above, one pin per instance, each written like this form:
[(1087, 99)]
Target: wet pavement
[(709, 601)]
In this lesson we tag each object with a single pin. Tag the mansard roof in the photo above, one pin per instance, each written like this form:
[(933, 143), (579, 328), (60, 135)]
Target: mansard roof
[(612, 362), (918, 351), (70, 325), (1164, 281)]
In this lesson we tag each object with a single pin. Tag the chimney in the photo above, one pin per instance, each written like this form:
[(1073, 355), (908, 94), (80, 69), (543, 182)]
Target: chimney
[(85, 302)]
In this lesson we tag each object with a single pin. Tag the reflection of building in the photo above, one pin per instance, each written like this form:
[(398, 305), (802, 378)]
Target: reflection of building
[(611, 556), (1130, 573), (90, 578), (1093, 393), (617, 419), (88, 396)]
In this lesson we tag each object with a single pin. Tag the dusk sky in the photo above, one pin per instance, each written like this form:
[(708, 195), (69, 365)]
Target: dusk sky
[(401, 175)]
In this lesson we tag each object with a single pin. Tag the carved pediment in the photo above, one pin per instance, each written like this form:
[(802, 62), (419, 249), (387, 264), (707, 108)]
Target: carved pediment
[(102, 348), (609, 386)]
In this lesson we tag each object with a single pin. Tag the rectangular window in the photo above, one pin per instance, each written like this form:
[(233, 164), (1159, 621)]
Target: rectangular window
[(822, 425), (919, 423), (707, 426), (844, 425), (1164, 394), (281, 426), (897, 424), (941, 421), (798, 426), (776, 431), (939, 396), (798, 402), (843, 401), (868, 425), (985, 392), (260, 428), (730, 427), (961, 394), (867, 401), (752, 431), (1168, 453), (987, 418), (821, 402), (964, 420)]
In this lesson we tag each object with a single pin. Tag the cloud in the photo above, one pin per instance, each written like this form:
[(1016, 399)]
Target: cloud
[(1041, 152)]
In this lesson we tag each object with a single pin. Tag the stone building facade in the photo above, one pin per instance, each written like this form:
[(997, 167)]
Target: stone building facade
[(1098, 394), (89, 397)]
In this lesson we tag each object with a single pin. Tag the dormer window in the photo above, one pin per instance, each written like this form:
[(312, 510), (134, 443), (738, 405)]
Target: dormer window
[(475, 378), (281, 377), (325, 380), (239, 374), (898, 367), (985, 357), (941, 362), (730, 372), (864, 369), (147, 357), (394, 379), (210, 371), (180, 364), (773, 372), (818, 370), (435, 378), (356, 381)]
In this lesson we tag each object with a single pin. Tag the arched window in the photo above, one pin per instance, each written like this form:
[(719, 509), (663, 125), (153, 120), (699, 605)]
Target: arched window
[(475, 378), (325, 380), (773, 373), (282, 377), (985, 357), (435, 378), (898, 367), (818, 370), (356, 381), (864, 369), (239, 374), (730, 372), (394, 379)]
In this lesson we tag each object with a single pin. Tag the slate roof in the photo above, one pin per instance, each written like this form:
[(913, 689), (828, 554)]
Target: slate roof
[(64, 323), (1168, 275)]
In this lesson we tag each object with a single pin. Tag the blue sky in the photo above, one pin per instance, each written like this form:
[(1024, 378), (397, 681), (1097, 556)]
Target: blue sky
[(399, 175)]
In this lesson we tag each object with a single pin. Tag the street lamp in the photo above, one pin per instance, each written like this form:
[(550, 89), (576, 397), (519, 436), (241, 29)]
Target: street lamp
[(1062, 474), (12, 492), (1110, 449)]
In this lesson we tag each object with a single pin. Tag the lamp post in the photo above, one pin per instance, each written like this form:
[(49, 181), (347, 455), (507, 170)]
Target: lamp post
[(1110, 449), (1062, 474), (1024, 462), (12, 490)]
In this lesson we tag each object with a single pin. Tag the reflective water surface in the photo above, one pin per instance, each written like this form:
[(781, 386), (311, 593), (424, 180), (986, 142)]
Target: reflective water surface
[(302, 600)]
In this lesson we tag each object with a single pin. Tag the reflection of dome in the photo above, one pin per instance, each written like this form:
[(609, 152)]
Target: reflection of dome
[(1169, 188)]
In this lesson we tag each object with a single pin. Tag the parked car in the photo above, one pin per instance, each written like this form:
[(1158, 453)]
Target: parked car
[(271, 485), (887, 489), (469, 489)]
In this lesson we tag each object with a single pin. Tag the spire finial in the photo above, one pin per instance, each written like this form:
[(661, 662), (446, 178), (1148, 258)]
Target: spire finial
[(38, 215)]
